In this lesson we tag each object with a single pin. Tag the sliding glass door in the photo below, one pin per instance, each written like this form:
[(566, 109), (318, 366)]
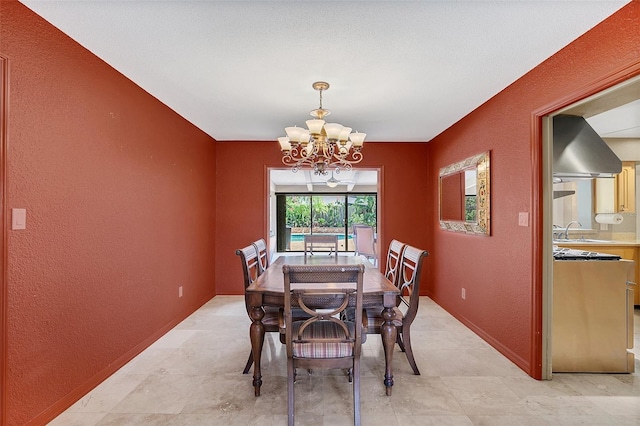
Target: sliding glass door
[(322, 214)]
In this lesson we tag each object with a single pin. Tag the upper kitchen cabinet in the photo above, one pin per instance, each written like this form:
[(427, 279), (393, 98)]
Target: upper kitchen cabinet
[(617, 195), (626, 188)]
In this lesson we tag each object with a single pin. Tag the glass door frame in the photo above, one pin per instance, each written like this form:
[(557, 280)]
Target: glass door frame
[(283, 241)]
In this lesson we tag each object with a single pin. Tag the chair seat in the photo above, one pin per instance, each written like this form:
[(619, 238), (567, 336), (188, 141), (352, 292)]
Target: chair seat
[(271, 319), (325, 330), (375, 320)]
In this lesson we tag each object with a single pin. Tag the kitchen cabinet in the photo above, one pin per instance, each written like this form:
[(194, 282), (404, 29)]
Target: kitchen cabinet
[(617, 195), (592, 323), (626, 188), (625, 252)]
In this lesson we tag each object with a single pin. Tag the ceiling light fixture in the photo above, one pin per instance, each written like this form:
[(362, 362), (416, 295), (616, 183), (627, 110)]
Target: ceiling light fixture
[(332, 182), (323, 145)]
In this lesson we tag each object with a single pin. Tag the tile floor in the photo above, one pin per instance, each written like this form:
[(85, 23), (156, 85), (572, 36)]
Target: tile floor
[(193, 376)]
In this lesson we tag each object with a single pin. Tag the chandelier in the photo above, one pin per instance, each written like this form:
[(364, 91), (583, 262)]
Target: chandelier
[(323, 145)]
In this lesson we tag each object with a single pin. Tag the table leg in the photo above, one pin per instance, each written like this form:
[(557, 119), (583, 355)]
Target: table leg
[(389, 334), (256, 334)]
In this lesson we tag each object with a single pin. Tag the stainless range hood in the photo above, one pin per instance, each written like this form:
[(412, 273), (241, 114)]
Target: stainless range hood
[(579, 152)]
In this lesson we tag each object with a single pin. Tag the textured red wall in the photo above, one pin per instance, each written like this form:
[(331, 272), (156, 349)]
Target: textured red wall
[(120, 207), (242, 199), (497, 272), (120, 199)]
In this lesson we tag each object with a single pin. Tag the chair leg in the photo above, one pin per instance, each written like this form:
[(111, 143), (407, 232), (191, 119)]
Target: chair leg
[(249, 364), (356, 392), (291, 372), (399, 340), (406, 337)]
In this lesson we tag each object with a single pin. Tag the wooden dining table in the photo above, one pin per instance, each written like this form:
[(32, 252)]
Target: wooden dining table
[(268, 290)]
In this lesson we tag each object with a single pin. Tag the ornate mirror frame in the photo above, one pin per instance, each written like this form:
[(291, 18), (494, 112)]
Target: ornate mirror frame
[(481, 225)]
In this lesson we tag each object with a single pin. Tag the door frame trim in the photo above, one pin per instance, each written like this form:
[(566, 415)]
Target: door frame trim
[(4, 107), (379, 194)]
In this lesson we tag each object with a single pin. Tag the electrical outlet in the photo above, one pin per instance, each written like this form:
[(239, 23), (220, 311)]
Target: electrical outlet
[(180, 291), (464, 293)]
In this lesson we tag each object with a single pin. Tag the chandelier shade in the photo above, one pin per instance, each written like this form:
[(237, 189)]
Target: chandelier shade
[(321, 146)]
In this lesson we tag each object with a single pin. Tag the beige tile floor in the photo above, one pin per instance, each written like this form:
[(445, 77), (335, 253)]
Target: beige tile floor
[(193, 376)]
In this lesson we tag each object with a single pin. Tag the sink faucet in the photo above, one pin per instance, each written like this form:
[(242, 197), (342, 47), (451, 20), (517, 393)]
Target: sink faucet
[(557, 232), (566, 230)]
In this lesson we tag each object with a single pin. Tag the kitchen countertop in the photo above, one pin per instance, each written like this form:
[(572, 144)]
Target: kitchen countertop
[(578, 242)]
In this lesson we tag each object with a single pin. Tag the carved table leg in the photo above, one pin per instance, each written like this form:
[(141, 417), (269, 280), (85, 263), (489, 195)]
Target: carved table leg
[(256, 334), (389, 335)]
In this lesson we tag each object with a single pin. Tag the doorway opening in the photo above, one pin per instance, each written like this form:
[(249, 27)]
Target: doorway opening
[(603, 110)]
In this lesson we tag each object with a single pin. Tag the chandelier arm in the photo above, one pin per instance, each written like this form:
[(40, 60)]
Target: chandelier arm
[(356, 157), (297, 160), (290, 161)]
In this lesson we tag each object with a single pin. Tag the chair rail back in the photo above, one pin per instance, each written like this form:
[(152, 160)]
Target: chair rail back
[(393, 261), (330, 287), (409, 280), (263, 256), (250, 269), (326, 241)]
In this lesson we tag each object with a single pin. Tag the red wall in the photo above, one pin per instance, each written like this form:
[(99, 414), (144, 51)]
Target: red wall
[(120, 199), (242, 199), (501, 273), (121, 195)]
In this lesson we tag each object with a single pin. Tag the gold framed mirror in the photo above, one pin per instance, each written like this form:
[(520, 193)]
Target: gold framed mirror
[(464, 189)]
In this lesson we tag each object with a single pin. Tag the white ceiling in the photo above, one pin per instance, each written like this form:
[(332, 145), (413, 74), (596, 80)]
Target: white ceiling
[(399, 71), (621, 122)]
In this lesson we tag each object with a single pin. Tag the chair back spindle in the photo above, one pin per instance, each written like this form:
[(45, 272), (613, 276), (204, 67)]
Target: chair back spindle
[(409, 281), (263, 255), (393, 261)]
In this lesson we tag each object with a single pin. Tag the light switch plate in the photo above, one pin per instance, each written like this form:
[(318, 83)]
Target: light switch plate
[(18, 218), (523, 218)]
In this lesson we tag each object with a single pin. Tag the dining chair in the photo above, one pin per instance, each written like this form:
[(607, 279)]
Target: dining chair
[(263, 256), (311, 241), (408, 281), (324, 340), (365, 244), (372, 315), (251, 272)]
